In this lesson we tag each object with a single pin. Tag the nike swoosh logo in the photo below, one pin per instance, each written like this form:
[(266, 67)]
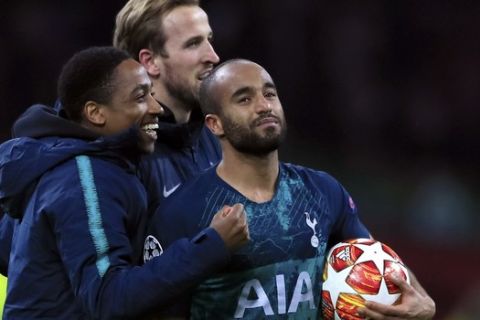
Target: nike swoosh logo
[(167, 193)]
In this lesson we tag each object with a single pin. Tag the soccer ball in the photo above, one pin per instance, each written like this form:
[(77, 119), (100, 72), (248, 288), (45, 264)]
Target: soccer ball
[(354, 272)]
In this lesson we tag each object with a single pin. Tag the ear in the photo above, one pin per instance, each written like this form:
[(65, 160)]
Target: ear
[(148, 61), (94, 113), (213, 122)]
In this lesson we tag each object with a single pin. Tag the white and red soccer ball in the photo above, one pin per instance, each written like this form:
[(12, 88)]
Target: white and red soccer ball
[(355, 272)]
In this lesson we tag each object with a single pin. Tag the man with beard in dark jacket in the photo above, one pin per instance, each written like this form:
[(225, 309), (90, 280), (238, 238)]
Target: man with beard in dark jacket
[(70, 183), (172, 40)]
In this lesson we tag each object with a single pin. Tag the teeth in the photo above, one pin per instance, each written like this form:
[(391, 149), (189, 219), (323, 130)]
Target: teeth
[(150, 126), (204, 74)]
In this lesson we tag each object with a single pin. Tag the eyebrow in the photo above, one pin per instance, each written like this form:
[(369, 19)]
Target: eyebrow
[(247, 89), (193, 39), (241, 91), (270, 85), (143, 86)]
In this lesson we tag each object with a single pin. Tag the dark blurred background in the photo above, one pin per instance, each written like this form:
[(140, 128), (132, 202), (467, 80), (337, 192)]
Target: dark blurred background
[(381, 94)]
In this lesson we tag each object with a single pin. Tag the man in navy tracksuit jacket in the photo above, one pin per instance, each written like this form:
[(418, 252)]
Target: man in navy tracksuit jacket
[(79, 204), (181, 152), (185, 147)]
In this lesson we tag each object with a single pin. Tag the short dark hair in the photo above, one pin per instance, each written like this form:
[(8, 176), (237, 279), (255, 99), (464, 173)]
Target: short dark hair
[(88, 76), (208, 103)]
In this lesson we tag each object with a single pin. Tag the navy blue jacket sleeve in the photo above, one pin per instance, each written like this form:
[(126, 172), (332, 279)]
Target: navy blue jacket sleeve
[(175, 218), (93, 222), (164, 278), (6, 233)]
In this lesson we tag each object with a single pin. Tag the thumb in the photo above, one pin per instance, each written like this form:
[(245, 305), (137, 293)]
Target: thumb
[(238, 209), (397, 280), (226, 210)]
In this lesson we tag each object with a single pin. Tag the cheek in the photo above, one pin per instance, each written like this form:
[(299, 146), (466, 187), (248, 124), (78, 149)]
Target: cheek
[(139, 112), (277, 107), (132, 117), (177, 72), (186, 63)]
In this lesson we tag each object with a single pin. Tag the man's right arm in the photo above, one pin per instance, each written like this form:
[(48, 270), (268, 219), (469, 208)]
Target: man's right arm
[(94, 244), (168, 225), (232, 226)]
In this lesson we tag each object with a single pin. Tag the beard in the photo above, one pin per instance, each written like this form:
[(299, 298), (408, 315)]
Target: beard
[(181, 90), (246, 140)]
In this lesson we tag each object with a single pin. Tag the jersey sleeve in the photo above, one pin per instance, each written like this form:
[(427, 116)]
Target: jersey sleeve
[(344, 217), (93, 241), (347, 225)]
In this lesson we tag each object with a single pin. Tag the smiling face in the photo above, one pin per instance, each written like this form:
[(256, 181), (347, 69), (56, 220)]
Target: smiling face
[(188, 54), (251, 117), (132, 103)]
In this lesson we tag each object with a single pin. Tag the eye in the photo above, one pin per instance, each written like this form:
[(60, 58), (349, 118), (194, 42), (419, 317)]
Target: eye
[(243, 100), (141, 97), (193, 43), (271, 94)]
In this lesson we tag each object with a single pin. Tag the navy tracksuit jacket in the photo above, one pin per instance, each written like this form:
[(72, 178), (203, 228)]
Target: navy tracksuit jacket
[(78, 206)]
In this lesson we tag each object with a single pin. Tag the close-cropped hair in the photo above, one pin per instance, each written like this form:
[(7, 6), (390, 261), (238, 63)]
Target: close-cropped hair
[(208, 100), (139, 25), (88, 76)]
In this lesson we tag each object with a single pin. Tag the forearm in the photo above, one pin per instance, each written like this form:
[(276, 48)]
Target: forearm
[(427, 301), (145, 289), (414, 283)]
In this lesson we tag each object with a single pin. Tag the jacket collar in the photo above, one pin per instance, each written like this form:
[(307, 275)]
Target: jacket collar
[(177, 135)]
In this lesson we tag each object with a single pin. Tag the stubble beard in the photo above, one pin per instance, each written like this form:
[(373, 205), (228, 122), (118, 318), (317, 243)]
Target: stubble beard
[(248, 141), (181, 91)]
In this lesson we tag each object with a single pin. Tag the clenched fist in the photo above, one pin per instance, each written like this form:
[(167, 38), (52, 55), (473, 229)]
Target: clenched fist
[(231, 224)]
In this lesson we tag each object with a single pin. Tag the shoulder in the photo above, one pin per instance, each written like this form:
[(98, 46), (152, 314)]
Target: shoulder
[(186, 203), (311, 177), (90, 172), (84, 185), (318, 182), (208, 138), (206, 134), (192, 191)]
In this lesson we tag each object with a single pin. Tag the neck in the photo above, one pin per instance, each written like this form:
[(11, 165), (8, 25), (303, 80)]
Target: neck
[(253, 176), (180, 110)]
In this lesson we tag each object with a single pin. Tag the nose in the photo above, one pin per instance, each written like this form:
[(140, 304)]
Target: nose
[(263, 105), (210, 54), (154, 106)]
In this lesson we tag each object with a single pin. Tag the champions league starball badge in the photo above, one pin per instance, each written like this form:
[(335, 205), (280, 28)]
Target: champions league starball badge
[(151, 248)]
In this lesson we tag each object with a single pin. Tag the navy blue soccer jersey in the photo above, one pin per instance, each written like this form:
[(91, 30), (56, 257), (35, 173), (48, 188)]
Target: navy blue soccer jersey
[(277, 275)]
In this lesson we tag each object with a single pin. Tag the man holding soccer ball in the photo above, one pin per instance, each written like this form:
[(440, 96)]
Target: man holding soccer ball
[(294, 213)]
